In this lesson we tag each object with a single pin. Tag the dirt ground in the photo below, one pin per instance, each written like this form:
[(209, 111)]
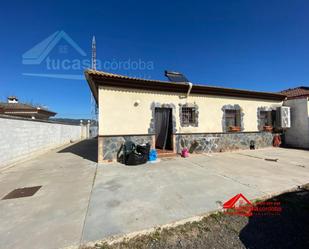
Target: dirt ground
[(286, 229)]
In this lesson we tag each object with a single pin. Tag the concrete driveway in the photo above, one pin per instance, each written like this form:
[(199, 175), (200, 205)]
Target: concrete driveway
[(54, 216), (127, 199), (79, 202)]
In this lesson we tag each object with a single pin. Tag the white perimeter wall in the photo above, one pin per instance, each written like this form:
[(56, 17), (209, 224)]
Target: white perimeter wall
[(298, 134), (21, 138)]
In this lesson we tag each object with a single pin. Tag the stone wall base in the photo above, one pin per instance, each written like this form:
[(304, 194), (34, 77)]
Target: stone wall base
[(109, 146), (112, 144), (220, 142)]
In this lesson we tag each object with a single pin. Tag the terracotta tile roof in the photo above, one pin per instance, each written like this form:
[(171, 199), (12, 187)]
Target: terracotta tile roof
[(17, 106), (118, 76), (11, 107), (96, 78), (298, 92)]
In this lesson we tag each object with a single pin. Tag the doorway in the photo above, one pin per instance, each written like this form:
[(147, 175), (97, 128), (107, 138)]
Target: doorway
[(164, 128)]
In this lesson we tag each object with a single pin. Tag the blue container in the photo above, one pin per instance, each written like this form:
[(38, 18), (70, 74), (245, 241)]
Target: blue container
[(153, 155)]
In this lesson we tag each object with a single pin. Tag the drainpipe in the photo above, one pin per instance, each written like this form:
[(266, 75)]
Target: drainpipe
[(189, 90)]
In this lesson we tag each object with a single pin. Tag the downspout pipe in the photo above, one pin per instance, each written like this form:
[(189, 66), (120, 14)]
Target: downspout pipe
[(189, 90)]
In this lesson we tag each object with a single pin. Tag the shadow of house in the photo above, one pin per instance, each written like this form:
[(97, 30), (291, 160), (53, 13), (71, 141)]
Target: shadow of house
[(288, 229), (87, 149)]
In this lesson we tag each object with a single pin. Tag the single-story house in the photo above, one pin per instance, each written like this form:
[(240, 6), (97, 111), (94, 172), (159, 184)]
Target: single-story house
[(174, 115), (298, 100), (13, 108)]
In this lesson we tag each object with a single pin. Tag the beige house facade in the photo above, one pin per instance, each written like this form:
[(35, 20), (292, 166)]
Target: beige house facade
[(198, 117)]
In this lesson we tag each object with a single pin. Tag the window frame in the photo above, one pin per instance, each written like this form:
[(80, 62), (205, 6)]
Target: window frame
[(234, 115), (239, 123), (266, 117), (188, 115)]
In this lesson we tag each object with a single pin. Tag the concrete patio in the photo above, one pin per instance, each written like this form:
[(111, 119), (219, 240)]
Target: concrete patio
[(81, 202)]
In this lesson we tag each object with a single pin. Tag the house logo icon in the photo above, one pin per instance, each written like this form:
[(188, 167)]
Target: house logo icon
[(59, 57), (40, 51), (238, 205)]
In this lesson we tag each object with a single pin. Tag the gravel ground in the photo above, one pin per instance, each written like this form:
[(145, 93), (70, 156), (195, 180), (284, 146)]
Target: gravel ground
[(287, 229)]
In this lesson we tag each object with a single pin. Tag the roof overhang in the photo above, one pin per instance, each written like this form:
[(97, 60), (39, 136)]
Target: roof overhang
[(27, 111), (98, 78), (304, 96)]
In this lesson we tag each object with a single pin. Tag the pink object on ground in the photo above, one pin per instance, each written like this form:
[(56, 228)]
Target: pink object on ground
[(185, 152)]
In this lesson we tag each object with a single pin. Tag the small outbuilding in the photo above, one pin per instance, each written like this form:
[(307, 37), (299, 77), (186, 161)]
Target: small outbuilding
[(298, 101), (176, 115)]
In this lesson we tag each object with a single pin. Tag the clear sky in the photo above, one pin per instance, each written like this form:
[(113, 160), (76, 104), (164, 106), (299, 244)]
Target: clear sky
[(259, 45)]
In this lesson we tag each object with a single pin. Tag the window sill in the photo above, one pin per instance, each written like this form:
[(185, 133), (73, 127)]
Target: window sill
[(188, 125), (268, 128), (234, 129)]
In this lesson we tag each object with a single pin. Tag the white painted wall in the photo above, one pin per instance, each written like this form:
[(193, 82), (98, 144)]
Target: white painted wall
[(21, 138), (119, 116), (298, 134)]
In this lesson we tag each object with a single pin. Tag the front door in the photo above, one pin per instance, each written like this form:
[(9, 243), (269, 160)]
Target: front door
[(164, 128)]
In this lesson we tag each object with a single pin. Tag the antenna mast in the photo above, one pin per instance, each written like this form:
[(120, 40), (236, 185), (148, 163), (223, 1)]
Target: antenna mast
[(94, 54), (93, 67)]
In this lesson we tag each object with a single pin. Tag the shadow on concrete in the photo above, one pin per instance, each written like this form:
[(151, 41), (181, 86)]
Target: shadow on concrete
[(289, 229), (87, 149)]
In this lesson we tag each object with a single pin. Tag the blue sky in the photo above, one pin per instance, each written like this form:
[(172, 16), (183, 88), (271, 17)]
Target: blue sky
[(258, 45)]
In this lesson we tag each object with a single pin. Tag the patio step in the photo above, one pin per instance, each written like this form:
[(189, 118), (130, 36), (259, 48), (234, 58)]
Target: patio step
[(166, 153)]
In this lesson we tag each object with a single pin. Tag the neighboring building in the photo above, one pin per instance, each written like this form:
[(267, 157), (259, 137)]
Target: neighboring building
[(297, 100), (14, 108), (171, 116)]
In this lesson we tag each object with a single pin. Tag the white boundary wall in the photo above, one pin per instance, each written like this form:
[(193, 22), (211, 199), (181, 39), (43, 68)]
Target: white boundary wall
[(21, 138)]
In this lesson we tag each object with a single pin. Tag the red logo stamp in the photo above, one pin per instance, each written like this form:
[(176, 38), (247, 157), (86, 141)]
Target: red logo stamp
[(240, 205)]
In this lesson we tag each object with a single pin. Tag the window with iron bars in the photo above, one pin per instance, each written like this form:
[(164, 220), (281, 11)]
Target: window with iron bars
[(188, 115), (232, 118), (267, 118)]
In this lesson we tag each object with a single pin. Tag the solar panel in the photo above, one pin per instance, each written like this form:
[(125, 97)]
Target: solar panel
[(175, 76)]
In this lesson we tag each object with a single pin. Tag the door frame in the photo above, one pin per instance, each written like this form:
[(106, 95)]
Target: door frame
[(172, 135)]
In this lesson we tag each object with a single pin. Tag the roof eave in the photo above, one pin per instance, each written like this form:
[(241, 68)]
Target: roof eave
[(304, 96), (34, 111), (94, 80), (92, 85), (50, 113)]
